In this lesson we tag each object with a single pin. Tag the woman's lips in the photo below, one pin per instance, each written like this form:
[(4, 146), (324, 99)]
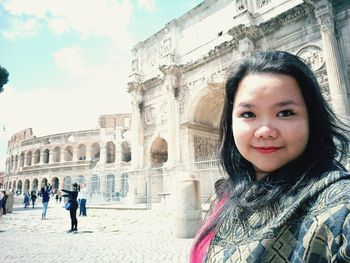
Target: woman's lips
[(267, 150)]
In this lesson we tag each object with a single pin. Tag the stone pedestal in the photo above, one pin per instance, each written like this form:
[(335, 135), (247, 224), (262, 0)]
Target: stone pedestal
[(9, 202), (186, 211)]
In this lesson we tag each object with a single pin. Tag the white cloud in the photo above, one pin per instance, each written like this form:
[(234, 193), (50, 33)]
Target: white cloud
[(23, 29), (148, 5), (71, 60), (105, 18), (59, 25)]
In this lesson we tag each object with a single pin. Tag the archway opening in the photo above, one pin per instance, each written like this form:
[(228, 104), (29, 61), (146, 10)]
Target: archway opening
[(67, 183), (43, 182), (19, 187), (159, 152), (55, 182), (126, 152), (26, 186), (35, 185), (68, 154)]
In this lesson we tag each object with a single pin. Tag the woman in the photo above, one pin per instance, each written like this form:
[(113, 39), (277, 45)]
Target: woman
[(287, 196), (45, 194), (72, 199)]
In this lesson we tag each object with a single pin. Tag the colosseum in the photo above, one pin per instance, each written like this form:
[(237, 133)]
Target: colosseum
[(95, 157)]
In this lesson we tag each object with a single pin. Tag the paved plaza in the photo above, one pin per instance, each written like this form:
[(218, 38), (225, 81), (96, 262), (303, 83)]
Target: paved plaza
[(105, 235)]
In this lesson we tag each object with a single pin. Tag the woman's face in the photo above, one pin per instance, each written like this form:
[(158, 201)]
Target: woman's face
[(269, 121)]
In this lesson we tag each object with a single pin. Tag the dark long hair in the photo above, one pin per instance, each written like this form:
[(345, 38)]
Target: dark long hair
[(327, 147)]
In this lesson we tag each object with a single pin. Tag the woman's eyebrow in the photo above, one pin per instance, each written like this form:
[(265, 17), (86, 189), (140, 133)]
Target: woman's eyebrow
[(286, 103), (245, 105)]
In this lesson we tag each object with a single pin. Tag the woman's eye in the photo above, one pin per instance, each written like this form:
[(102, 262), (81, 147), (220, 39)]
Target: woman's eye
[(247, 114), (285, 113)]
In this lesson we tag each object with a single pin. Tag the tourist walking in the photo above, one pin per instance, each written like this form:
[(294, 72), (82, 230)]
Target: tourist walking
[(26, 199), (33, 197), (287, 196), (72, 206), (82, 197), (45, 194), (3, 203), (1, 200)]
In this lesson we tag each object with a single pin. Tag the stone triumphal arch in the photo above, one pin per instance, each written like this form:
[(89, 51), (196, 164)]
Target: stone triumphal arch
[(178, 73)]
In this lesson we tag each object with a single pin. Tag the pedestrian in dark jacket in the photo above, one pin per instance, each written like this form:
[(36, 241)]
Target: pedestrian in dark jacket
[(33, 198), (45, 194), (72, 199)]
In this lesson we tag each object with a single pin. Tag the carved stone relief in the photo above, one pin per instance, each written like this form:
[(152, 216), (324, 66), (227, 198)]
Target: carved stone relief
[(184, 92), (313, 55), (166, 47), (322, 76), (205, 148), (262, 3), (134, 66), (150, 115)]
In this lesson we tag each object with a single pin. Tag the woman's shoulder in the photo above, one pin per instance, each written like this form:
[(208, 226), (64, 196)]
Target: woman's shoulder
[(336, 191)]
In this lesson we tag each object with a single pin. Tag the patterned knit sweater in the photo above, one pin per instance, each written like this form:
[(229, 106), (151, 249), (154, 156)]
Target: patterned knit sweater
[(313, 226)]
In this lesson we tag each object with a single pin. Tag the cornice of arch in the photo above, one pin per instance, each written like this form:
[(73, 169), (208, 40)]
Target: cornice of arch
[(255, 32), (198, 126), (218, 51)]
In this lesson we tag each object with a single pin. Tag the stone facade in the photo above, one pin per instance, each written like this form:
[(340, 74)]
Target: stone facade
[(95, 157), (178, 73)]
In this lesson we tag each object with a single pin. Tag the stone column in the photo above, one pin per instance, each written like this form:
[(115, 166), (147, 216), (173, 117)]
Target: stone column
[(33, 157), (172, 74), (62, 150), (75, 153), (103, 152), (336, 78), (137, 141)]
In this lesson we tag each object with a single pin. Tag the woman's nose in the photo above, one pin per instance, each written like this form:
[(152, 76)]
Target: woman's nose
[(266, 131)]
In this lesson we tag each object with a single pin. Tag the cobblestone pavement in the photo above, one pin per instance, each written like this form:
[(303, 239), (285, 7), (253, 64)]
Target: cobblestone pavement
[(105, 235)]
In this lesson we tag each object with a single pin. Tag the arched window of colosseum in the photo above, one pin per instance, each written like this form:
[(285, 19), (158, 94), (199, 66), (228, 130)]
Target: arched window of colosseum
[(95, 184), (95, 152), (9, 185), (21, 160), (56, 154), (67, 183), (19, 186), (159, 152), (26, 186), (55, 182), (14, 186), (29, 158), (110, 151), (43, 182), (16, 162), (35, 184), (68, 153), (46, 156), (81, 180), (37, 157), (126, 152), (82, 152), (110, 183)]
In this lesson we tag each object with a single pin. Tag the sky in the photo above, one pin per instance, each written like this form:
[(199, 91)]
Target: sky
[(69, 60)]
